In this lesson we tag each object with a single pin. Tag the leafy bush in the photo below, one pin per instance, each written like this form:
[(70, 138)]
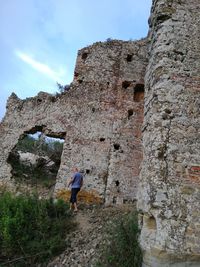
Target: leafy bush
[(26, 144), (41, 147), (63, 88), (32, 174), (122, 249), (32, 230), (39, 173)]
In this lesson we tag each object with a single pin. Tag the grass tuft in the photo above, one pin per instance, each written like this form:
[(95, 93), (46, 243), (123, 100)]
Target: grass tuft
[(122, 248)]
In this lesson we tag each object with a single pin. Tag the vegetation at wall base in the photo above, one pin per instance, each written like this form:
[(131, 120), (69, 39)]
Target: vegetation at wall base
[(122, 248), (32, 231)]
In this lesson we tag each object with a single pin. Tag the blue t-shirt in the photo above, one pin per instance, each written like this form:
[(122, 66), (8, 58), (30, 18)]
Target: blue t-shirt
[(77, 180)]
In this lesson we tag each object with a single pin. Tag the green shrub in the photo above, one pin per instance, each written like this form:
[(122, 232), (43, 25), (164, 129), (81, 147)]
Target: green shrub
[(39, 173), (52, 149), (122, 249), (32, 230)]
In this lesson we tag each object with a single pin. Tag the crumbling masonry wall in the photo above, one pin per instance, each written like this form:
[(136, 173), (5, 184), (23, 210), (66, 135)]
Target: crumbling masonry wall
[(100, 118), (169, 194)]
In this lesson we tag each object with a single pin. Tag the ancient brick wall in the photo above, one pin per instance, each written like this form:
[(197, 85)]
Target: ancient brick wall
[(100, 118), (169, 195)]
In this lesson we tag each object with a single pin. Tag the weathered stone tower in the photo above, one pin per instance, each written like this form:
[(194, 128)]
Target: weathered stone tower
[(169, 195)]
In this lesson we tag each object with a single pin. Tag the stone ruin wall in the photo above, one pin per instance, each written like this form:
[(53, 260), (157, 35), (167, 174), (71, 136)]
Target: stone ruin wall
[(95, 114), (100, 118), (169, 194)]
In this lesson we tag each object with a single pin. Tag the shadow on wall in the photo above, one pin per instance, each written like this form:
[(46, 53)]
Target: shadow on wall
[(138, 92)]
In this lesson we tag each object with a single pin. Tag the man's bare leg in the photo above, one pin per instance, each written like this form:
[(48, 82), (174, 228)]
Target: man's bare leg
[(75, 206)]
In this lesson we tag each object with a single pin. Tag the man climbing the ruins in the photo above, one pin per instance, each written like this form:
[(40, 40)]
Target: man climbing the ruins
[(76, 183)]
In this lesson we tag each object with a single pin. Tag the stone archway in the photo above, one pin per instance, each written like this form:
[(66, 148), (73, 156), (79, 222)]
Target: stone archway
[(35, 160)]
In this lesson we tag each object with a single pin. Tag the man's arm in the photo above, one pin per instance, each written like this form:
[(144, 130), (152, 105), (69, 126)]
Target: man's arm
[(71, 181)]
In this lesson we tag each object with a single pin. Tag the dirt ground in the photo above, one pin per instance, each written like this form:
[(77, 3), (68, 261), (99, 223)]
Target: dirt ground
[(90, 235)]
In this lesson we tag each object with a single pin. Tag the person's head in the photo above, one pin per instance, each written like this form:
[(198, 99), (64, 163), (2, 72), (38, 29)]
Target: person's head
[(75, 169)]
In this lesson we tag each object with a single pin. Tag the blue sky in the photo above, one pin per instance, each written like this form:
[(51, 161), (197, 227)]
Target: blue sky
[(39, 39)]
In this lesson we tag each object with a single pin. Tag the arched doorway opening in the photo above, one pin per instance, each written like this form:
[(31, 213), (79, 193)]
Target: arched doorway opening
[(35, 160)]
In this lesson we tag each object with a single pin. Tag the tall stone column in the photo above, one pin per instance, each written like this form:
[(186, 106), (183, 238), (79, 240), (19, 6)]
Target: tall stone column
[(169, 194)]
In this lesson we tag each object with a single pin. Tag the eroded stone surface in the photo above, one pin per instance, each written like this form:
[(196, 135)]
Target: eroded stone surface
[(169, 195)]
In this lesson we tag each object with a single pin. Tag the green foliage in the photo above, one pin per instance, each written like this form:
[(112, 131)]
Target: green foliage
[(122, 249), (26, 144), (32, 174), (32, 230), (63, 88), (36, 174), (109, 40), (40, 147)]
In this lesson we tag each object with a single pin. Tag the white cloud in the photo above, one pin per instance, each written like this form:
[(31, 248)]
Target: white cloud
[(41, 67), (53, 31)]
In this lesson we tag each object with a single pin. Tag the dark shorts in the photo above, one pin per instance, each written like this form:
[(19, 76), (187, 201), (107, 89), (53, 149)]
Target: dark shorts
[(74, 193)]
